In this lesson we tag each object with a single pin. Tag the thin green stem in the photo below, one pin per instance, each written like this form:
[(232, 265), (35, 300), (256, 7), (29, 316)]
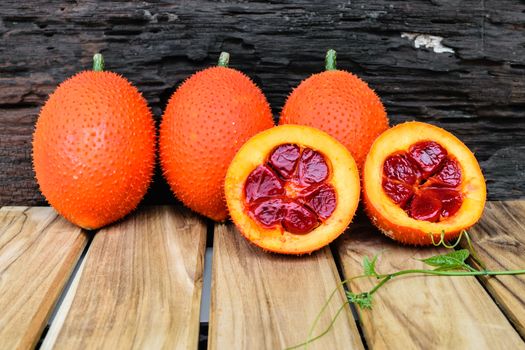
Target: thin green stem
[(470, 268), (380, 284), (327, 302), (324, 332), (224, 59), (473, 252), (98, 62), (471, 249), (384, 278), (364, 299), (330, 62), (442, 242), (454, 273)]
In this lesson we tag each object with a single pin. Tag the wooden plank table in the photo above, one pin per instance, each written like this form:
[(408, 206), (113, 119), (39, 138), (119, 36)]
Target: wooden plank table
[(138, 286)]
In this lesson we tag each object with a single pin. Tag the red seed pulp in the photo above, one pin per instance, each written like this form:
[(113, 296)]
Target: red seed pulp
[(291, 190), (424, 181)]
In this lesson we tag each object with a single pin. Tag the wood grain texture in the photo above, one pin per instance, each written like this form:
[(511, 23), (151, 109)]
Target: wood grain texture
[(140, 286), (267, 301), (421, 312), (477, 91), (499, 239), (62, 312), (38, 251)]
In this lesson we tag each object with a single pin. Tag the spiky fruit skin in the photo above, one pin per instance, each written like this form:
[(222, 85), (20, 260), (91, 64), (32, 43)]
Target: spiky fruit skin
[(206, 121), (392, 220), (340, 104), (94, 148)]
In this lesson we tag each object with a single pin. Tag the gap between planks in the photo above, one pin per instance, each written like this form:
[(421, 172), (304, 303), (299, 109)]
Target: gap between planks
[(139, 285), (412, 312), (499, 239), (262, 300), (498, 243), (38, 252)]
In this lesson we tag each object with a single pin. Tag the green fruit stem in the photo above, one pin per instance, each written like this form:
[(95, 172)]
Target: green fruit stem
[(330, 60), (224, 59), (98, 62)]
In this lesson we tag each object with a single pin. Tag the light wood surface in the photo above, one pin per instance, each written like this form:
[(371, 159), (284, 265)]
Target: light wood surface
[(421, 312), (262, 300), (140, 287), (499, 239), (65, 305), (38, 251)]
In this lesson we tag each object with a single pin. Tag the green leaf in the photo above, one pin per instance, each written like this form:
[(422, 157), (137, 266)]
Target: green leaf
[(369, 267), (363, 300), (449, 261)]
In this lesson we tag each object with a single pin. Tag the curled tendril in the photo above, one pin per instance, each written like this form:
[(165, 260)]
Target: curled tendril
[(442, 241), (462, 234)]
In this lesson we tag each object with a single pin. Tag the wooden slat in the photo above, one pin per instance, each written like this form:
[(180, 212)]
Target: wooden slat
[(499, 239), (267, 301), (421, 312), (140, 286), (38, 251)]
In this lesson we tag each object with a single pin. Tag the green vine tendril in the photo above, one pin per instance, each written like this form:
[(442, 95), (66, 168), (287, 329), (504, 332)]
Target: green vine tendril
[(449, 264)]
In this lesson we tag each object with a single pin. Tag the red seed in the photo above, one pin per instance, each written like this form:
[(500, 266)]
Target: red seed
[(268, 212), (261, 183), (428, 155), (449, 175), (312, 167), (425, 206), (322, 201), (399, 192), (298, 219), (428, 167), (284, 159), (450, 199), (400, 167), (308, 201)]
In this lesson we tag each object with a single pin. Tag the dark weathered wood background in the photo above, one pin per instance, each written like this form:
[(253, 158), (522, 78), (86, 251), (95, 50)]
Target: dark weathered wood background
[(476, 89)]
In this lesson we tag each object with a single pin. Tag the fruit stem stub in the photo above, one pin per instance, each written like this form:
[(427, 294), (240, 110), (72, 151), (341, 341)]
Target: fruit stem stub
[(224, 59), (98, 62), (330, 60)]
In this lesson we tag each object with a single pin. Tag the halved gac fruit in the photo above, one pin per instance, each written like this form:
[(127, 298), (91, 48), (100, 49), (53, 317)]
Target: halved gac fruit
[(292, 189), (420, 181)]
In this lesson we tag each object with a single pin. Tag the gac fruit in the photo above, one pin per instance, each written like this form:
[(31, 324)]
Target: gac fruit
[(292, 189), (206, 121), (340, 104), (420, 182), (94, 147)]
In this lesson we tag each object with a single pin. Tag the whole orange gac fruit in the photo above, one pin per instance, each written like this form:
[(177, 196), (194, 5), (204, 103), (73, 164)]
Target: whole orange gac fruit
[(340, 104), (206, 121), (94, 147)]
